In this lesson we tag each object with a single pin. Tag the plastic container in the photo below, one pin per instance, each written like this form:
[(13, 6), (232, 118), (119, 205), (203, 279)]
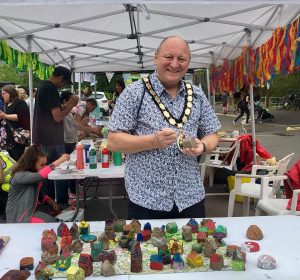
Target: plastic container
[(105, 158), (92, 157), (79, 156), (117, 158)]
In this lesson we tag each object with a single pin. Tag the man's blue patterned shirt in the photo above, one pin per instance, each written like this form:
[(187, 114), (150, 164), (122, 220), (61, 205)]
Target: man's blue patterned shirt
[(157, 178)]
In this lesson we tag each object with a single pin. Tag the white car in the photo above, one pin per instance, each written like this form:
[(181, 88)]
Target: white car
[(101, 100)]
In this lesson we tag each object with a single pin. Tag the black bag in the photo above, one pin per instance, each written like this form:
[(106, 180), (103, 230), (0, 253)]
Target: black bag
[(20, 135), (3, 135)]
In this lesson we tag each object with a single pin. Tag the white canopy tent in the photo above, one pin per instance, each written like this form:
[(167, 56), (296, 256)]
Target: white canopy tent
[(122, 37), (108, 36)]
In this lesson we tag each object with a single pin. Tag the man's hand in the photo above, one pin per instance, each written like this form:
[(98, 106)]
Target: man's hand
[(164, 138), (194, 152)]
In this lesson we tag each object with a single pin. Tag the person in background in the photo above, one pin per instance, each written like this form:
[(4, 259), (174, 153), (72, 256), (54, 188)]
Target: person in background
[(236, 99), (26, 198), (86, 93), (48, 126), (71, 139), (6, 165), (244, 107), (120, 86), (82, 118), (16, 115), (23, 92), (224, 100), (33, 97), (162, 180)]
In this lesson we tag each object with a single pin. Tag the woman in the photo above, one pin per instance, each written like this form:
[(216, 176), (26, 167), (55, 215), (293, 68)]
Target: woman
[(243, 105), (120, 86), (25, 196), (17, 115)]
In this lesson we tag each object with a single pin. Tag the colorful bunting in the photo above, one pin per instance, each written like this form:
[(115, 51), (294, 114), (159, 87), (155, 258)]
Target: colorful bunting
[(279, 55), (23, 60)]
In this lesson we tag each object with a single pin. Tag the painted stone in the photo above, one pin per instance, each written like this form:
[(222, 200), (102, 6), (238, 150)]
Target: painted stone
[(266, 262), (194, 259), (187, 233), (254, 233), (136, 258), (107, 269), (216, 262)]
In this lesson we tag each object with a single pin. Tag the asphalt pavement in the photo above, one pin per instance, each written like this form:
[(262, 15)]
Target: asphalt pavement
[(280, 136)]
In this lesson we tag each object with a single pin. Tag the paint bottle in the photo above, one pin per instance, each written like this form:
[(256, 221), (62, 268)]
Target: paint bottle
[(86, 152), (79, 156), (117, 158), (92, 157), (105, 158)]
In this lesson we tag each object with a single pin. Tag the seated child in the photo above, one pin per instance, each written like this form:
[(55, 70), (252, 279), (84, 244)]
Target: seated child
[(25, 196)]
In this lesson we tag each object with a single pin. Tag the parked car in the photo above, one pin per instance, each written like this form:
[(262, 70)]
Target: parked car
[(101, 100)]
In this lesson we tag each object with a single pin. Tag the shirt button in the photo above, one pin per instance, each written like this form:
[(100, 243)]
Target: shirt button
[(175, 171), (176, 153)]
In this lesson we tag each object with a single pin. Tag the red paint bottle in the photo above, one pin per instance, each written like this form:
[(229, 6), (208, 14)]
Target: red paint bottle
[(79, 156), (105, 158)]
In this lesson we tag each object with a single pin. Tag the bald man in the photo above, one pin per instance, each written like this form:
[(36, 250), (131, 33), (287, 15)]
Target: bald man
[(149, 123)]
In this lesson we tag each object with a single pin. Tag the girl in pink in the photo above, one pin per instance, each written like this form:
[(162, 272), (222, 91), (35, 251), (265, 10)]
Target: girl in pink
[(26, 200)]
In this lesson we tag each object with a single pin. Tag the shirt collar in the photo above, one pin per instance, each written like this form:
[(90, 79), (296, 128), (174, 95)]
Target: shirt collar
[(159, 88)]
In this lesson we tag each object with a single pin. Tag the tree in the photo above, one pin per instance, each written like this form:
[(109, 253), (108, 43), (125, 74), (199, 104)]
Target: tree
[(9, 73)]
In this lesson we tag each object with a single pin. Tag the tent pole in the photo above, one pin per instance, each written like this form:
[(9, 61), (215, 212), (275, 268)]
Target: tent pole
[(30, 79), (213, 97), (252, 123), (72, 70), (208, 84), (251, 103), (79, 86)]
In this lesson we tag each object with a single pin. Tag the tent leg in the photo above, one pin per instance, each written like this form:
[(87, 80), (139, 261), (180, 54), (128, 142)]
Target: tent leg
[(252, 123), (30, 79)]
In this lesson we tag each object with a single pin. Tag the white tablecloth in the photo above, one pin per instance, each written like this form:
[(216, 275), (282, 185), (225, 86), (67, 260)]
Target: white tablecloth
[(102, 173), (281, 240)]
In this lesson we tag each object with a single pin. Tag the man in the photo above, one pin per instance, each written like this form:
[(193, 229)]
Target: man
[(48, 129), (162, 180), (82, 119)]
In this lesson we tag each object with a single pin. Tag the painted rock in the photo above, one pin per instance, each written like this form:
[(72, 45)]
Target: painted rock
[(254, 233), (194, 260), (266, 262)]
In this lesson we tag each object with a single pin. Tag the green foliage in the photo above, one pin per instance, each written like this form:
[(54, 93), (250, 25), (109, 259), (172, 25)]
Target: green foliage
[(283, 85), (9, 73)]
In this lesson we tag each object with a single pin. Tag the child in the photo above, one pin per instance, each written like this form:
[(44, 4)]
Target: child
[(25, 191)]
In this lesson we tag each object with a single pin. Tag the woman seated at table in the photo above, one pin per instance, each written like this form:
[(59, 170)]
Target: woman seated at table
[(26, 200)]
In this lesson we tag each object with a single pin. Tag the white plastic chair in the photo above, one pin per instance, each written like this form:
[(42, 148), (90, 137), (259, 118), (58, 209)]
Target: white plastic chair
[(212, 161), (252, 189), (276, 206)]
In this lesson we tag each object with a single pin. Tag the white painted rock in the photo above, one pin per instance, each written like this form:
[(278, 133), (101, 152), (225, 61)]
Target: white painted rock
[(266, 262)]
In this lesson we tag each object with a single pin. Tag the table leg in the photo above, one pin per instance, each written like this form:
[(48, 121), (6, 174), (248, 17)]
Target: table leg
[(77, 201), (110, 201)]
